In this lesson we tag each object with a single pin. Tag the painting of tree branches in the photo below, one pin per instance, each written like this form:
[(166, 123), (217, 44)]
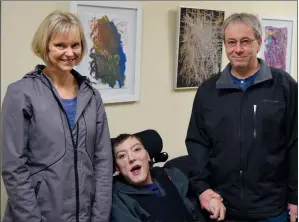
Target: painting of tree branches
[(199, 46)]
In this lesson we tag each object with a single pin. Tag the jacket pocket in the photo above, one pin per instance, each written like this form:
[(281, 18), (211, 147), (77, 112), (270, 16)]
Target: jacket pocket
[(270, 120), (37, 186), (271, 115)]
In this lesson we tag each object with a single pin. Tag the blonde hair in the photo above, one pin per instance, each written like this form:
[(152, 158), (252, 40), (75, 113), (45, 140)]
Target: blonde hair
[(57, 21)]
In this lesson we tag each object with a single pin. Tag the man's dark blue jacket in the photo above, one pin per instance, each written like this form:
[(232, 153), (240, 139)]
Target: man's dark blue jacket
[(246, 143)]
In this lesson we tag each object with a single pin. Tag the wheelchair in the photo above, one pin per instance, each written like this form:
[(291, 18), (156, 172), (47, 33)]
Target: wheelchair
[(153, 143)]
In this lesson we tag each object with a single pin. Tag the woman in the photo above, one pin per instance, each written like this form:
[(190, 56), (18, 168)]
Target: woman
[(57, 158)]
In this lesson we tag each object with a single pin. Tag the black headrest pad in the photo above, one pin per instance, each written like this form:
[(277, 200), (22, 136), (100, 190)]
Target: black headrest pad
[(151, 140)]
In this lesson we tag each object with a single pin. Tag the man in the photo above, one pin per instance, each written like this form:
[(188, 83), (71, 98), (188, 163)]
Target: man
[(243, 132), (144, 194)]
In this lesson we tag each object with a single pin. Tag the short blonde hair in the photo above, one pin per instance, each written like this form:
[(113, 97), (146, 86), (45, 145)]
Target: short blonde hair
[(57, 21)]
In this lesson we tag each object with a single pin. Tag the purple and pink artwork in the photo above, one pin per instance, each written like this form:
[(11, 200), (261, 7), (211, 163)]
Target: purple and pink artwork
[(275, 46)]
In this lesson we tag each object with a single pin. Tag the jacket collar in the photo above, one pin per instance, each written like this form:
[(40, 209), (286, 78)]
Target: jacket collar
[(225, 80), (85, 91)]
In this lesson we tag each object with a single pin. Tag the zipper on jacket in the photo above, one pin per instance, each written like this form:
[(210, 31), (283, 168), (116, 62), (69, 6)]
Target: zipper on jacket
[(75, 162), (75, 150), (254, 121), (241, 143), (76, 173)]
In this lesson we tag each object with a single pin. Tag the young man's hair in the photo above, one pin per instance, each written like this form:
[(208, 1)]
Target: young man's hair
[(122, 137)]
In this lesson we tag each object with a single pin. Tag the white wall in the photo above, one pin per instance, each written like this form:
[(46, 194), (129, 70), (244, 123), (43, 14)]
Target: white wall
[(159, 107)]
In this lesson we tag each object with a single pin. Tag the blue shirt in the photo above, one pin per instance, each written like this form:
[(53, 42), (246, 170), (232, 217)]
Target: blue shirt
[(70, 106), (153, 187), (244, 83)]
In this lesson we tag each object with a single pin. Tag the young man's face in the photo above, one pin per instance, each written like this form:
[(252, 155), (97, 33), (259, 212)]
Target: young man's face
[(132, 161)]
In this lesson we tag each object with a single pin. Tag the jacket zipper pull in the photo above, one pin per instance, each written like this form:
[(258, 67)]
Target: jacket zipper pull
[(254, 115)]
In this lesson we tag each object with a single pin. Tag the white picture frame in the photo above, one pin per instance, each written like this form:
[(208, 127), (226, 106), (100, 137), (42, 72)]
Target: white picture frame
[(277, 53), (113, 66)]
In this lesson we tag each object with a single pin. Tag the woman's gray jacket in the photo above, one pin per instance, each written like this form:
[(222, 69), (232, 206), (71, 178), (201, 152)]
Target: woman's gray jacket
[(51, 172)]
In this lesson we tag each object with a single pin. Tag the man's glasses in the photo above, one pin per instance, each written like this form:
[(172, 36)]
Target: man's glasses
[(243, 42)]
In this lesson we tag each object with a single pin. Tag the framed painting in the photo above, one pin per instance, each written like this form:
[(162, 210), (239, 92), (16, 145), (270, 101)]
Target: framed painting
[(113, 34), (199, 46), (277, 47)]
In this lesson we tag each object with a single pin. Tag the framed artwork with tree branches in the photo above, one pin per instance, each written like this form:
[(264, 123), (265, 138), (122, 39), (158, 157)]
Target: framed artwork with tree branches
[(199, 46)]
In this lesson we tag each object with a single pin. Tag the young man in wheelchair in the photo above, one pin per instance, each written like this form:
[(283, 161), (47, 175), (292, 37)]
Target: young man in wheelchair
[(142, 193)]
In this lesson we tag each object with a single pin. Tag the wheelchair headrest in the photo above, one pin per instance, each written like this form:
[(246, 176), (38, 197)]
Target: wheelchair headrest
[(151, 141)]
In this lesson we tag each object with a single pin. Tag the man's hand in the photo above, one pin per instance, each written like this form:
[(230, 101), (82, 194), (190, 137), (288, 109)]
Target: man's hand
[(212, 202), (293, 211), (206, 196), (217, 209)]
